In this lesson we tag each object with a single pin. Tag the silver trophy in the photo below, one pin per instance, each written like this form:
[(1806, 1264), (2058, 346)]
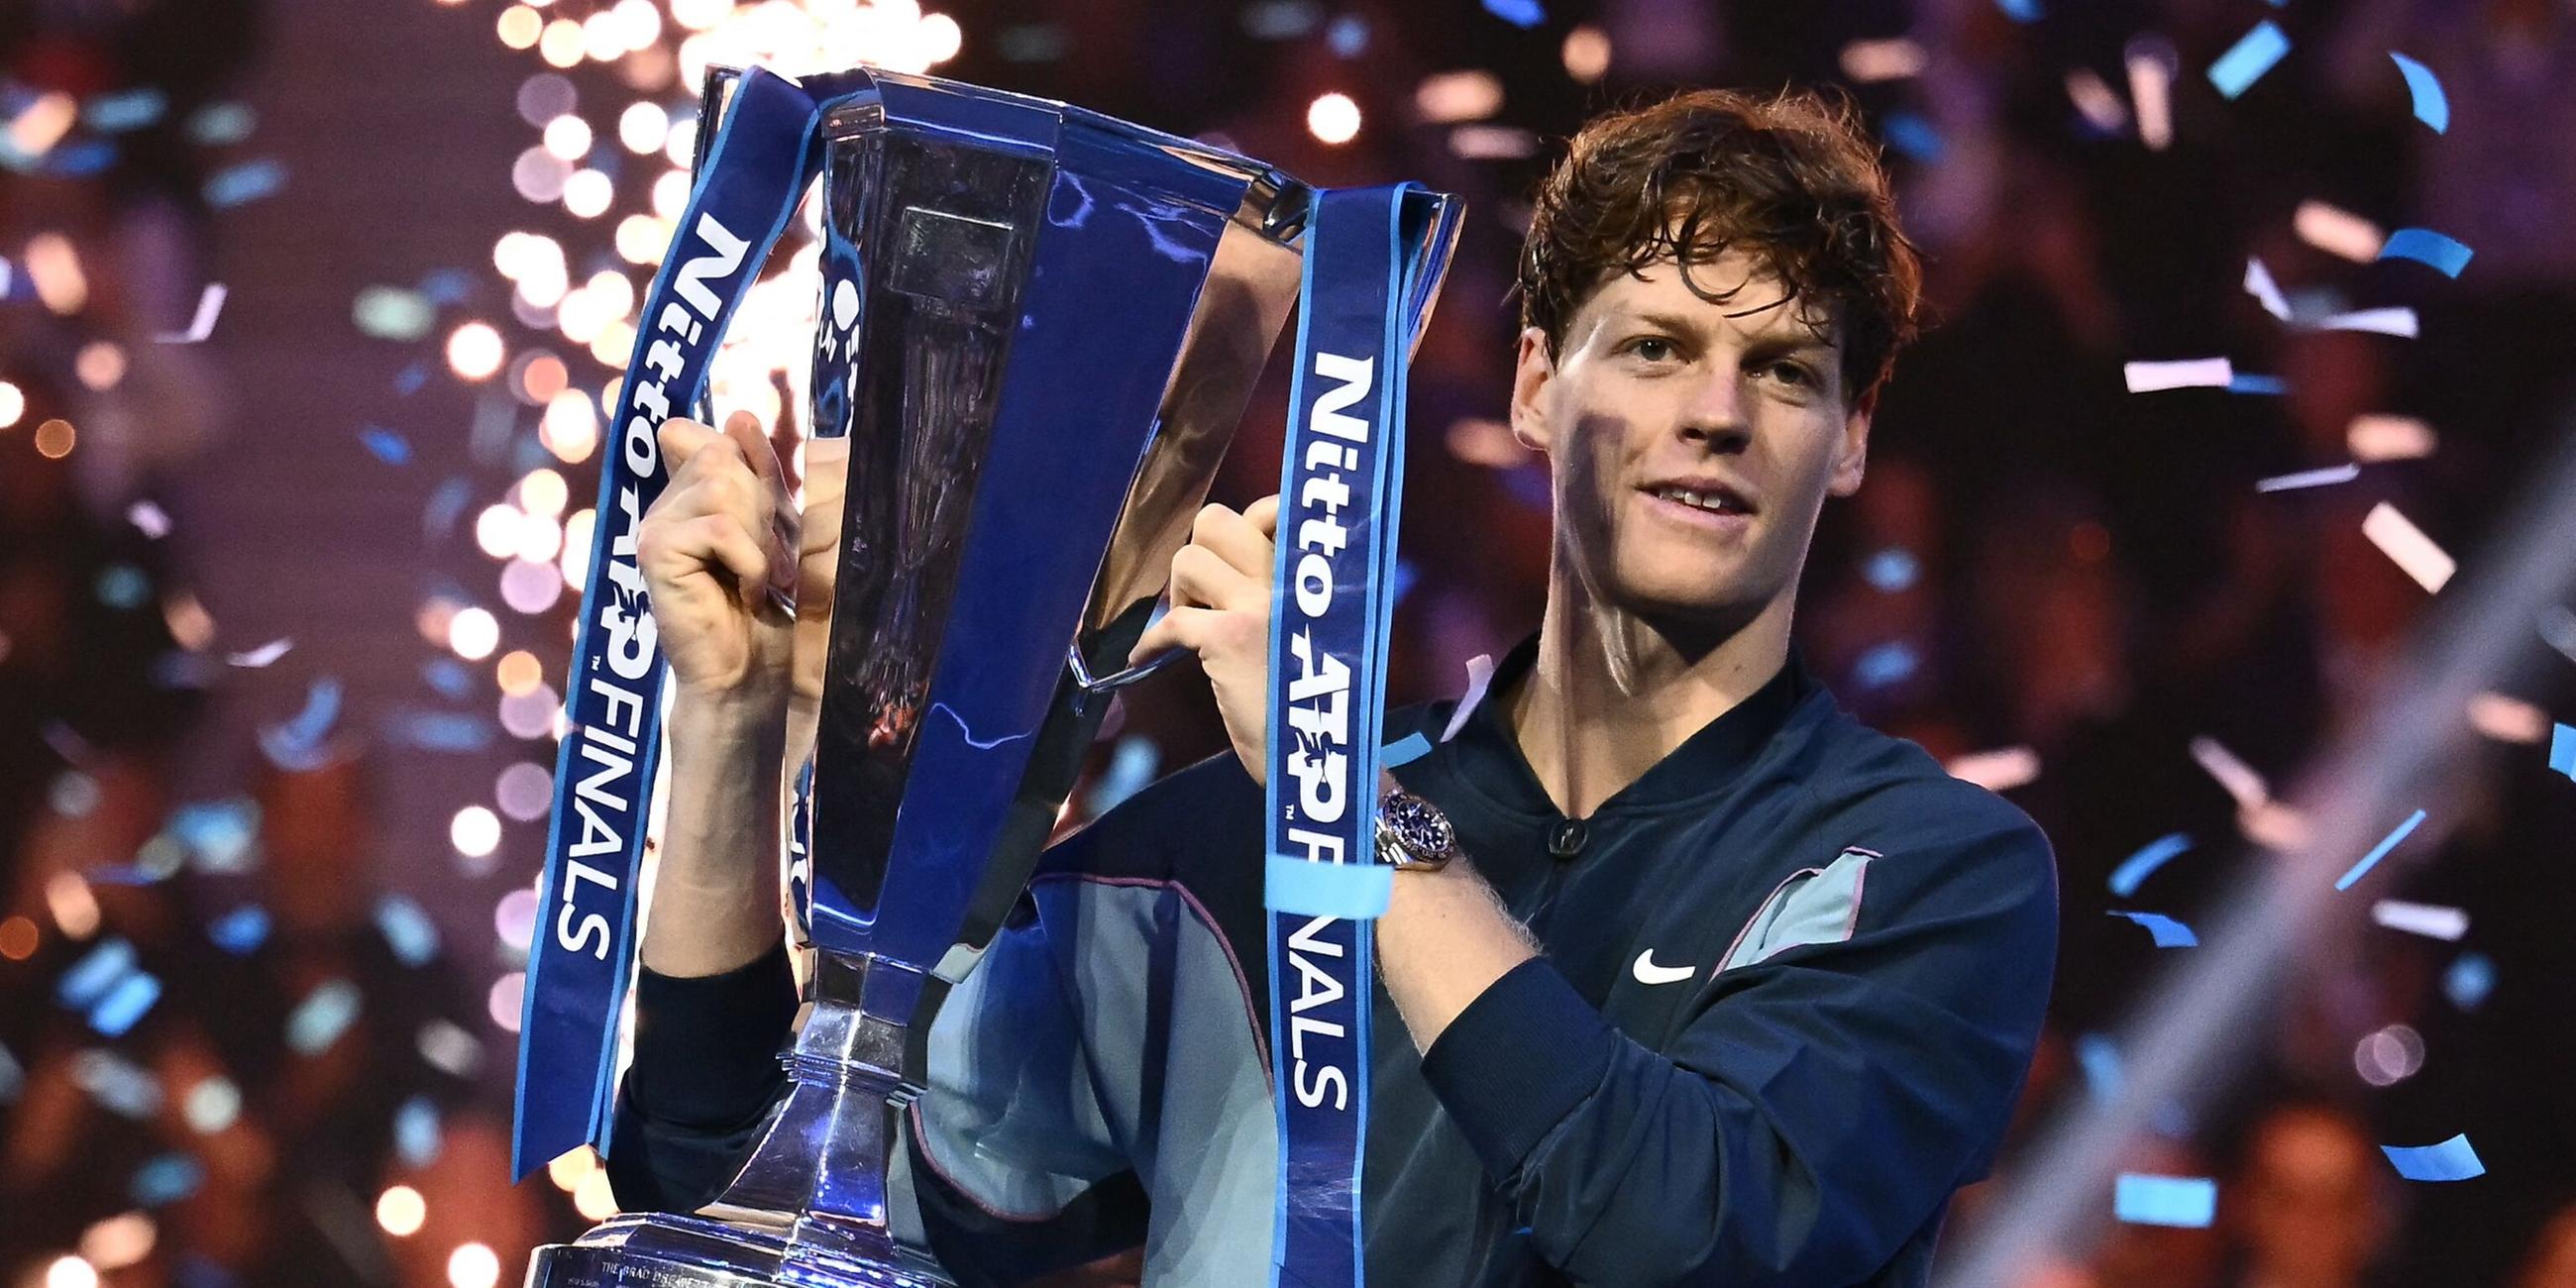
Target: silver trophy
[(1039, 329)]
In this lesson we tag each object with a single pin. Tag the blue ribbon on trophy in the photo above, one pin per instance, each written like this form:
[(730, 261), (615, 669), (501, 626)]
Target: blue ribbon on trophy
[(581, 959), (1371, 267)]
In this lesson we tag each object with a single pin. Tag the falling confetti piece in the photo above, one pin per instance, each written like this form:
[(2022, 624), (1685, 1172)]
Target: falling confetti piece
[(166, 1178), (265, 654), (2338, 232), (125, 1005), (2252, 55), (2431, 106), (244, 183), (2379, 851), (2309, 478), (2168, 932), (1999, 770), (2099, 1058), (2469, 980), (132, 109), (409, 380), (416, 1134), (297, 744), (2508, 719), (217, 124), (2251, 384), (2020, 10), (407, 930), (392, 313), (148, 519), (387, 446), (2377, 436), (98, 970), (2135, 869), (2451, 1160), (2191, 373), (1523, 14), (240, 931), (1914, 138), (2432, 921), (441, 731), (217, 833), (2398, 322), (1348, 35), (2189, 1202), (2240, 779), (116, 1083), (2562, 750), (2425, 246), (2259, 284), (2403, 542), (323, 1015), (210, 305)]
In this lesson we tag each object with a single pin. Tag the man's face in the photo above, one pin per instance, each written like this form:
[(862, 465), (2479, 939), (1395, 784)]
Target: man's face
[(1692, 443)]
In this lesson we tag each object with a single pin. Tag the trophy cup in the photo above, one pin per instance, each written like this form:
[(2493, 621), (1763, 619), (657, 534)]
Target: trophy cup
[(1039, 327)]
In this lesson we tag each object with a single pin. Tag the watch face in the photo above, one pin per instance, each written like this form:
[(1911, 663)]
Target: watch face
[(1417, 823)]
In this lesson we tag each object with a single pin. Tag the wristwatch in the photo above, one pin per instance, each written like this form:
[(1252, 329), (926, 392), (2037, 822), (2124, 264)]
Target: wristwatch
[(1413, 835)]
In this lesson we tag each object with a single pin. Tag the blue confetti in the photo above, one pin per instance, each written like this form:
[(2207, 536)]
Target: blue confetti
[(244, 183), (2468, 981), (217, 833), (2139, 866), (116, 1083), (2168, 932), (1913, 138), (1892, 569), (1131, 767), (438, 517), (2189, 1202), (2379, 851), (2424, 246), (416, 1135), (1280, 19), (166, 1178), (297, 744), (2253, 384), (1348, 36), (323, 1015), (1523, 14), (80, 160), (446, 285), (389, 447), (125, 1004), (1885, 664), (1404, 751), (123, 586), (2099, 1058), (2251, 56), (409, 380), (2432, 107), (2020, 10), (12, 1076), (95, 973), (2562, 749), (240, 931), (219, 123), (410, 932), (441, 731), (123, 110), (2451, 1160), (447, 675)]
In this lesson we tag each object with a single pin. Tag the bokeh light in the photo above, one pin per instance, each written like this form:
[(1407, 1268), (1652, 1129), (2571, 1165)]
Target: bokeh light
[(1333, 118), (474, 832), (401, 1211), (474, 351), (473, 633)]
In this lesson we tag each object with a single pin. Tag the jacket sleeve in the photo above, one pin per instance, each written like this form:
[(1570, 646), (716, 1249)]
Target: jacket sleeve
[(1815, 1111), (704, 1077)]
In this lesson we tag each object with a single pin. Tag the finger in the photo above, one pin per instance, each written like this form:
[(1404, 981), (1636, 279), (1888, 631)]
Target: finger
[(1202, 578), (681, 440), (1234, 538), (712, 543), (1264, 515), (1181, 627), (745, 431), (827, 470)]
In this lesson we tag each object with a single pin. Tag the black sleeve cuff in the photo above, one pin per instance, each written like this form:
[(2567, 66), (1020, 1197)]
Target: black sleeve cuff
[(706, 1048), (1526, 1053)]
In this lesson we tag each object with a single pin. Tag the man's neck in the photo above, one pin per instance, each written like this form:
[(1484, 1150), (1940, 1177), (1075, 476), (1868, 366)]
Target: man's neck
[(1612, 694)]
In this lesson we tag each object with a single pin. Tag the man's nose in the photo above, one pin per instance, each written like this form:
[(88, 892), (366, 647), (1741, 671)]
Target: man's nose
[(1714, 413)]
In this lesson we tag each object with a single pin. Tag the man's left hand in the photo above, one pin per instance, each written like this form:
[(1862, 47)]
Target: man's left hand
[(1221, 602)]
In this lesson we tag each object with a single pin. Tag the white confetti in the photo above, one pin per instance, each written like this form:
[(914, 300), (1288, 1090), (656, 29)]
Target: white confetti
[(2377, 436), (2399, 539), (2338, 232), (2429, 920), (209, 306), (2259, 284), (2189, 373), (1999, 770), (2309, 478), (2239, 778), (2398, 322), (261, 656), (148, 519)]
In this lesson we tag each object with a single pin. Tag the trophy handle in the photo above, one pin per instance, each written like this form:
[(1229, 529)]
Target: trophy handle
[(1118, 679)]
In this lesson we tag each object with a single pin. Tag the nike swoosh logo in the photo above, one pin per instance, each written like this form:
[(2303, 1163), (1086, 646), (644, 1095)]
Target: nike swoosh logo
[(1650, 973)]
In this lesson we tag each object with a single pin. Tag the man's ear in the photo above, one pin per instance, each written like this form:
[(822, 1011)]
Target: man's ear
[(1533, 367), (1851, 448)]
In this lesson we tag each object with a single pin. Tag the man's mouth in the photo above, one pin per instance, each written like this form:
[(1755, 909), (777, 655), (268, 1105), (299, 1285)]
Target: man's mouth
[(1713, 500)]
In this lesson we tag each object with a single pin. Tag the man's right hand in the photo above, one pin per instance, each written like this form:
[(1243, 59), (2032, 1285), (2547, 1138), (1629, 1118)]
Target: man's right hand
[(718, 550)]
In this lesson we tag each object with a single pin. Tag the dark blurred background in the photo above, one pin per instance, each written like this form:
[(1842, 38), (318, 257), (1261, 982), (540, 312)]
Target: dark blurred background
[(280, 607)]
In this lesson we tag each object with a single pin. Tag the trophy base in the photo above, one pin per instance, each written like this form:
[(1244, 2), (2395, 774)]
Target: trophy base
[(660, 1250)]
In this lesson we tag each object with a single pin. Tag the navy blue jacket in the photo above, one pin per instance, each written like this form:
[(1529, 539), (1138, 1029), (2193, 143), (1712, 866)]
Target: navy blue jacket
[(1792, 979)]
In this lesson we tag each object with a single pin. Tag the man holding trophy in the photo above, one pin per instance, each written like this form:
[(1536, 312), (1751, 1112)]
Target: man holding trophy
[(1697, 979)]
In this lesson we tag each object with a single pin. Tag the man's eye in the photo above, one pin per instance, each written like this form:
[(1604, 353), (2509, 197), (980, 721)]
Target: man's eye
[(1790, 373), (1651, 348)]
